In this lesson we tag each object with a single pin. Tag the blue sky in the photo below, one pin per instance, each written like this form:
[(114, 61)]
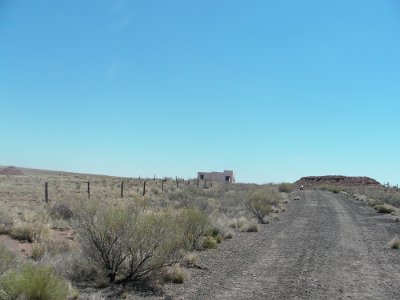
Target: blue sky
[(274, 90)]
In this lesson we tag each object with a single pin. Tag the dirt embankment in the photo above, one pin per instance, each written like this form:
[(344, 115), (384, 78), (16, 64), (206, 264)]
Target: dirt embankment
[(336, 180)]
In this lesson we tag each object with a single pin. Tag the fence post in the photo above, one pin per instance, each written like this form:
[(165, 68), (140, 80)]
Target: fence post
[(177, 184), (162, 186), (197, 183), (122, 189), (88, 188), (46, 192), (144, 187), (188, 182)]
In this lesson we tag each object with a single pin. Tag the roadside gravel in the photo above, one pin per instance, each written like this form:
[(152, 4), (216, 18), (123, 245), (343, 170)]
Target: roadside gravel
[(325, 246)]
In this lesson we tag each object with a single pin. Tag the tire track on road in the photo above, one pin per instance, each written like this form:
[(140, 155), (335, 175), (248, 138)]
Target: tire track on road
[(324, 247)]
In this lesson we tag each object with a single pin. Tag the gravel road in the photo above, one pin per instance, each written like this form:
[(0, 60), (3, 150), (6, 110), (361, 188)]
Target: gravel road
[(324, 246)]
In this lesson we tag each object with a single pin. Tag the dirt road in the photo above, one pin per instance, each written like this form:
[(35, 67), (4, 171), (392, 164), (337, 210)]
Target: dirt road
[(323, 247)]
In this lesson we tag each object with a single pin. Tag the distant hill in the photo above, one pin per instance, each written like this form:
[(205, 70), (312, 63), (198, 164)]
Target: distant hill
[(337, 180), (43, 172), (11, 171)]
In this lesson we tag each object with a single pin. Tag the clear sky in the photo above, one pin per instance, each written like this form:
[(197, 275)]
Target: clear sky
[(272, 89)]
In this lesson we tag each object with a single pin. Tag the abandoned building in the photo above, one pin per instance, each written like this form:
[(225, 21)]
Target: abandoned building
[(221, 177)]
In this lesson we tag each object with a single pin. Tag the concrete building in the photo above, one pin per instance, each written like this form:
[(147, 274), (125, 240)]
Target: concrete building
[(221, 177)]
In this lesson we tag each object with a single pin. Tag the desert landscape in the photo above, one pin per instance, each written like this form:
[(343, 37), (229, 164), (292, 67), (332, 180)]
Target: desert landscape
[(199, 150), (172, 238)]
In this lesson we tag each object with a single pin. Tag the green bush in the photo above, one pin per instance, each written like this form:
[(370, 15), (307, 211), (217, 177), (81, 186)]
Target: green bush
[(286, 187), (127, 243), (331, 188), (373, 202), (210, 243), (260, 203), (195, 225), (335, 190), (384, 209), (34, 282), (7, 259)]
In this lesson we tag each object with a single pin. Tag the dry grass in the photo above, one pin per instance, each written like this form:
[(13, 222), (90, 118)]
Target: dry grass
[(384, 209), (7, 259), (175, 274), (25, 215), (251, 227), (383, 194), (190, 259)]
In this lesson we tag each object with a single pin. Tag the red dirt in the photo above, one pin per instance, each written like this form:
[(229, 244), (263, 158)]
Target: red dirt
[(23, 249), (11, 171)]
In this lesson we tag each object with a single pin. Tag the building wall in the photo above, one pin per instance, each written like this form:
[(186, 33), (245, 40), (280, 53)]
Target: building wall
[(221, 177)]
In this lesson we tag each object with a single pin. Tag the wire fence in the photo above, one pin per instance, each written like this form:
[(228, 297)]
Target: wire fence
[(61, 187)]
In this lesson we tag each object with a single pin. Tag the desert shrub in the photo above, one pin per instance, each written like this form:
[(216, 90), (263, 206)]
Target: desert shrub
[(195, 226), (219, 238), (210, 243), (72, 265), (33, 282), (61, 211), (32, 231), (229, 203), (7, 259), (57, 246), (128, 244), (286, 187), (190, 259), (215, 232), (335, 190), (260, 203), (175, 274), (228, 235), (155, 190), (238, 223), (360, 197), (38, 250), (384, 195), (373, 202), (384, 209), (250, 227), (51, 247), (331, 188), (6, 222)]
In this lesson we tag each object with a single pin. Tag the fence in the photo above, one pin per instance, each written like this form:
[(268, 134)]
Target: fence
[(64, 187)]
